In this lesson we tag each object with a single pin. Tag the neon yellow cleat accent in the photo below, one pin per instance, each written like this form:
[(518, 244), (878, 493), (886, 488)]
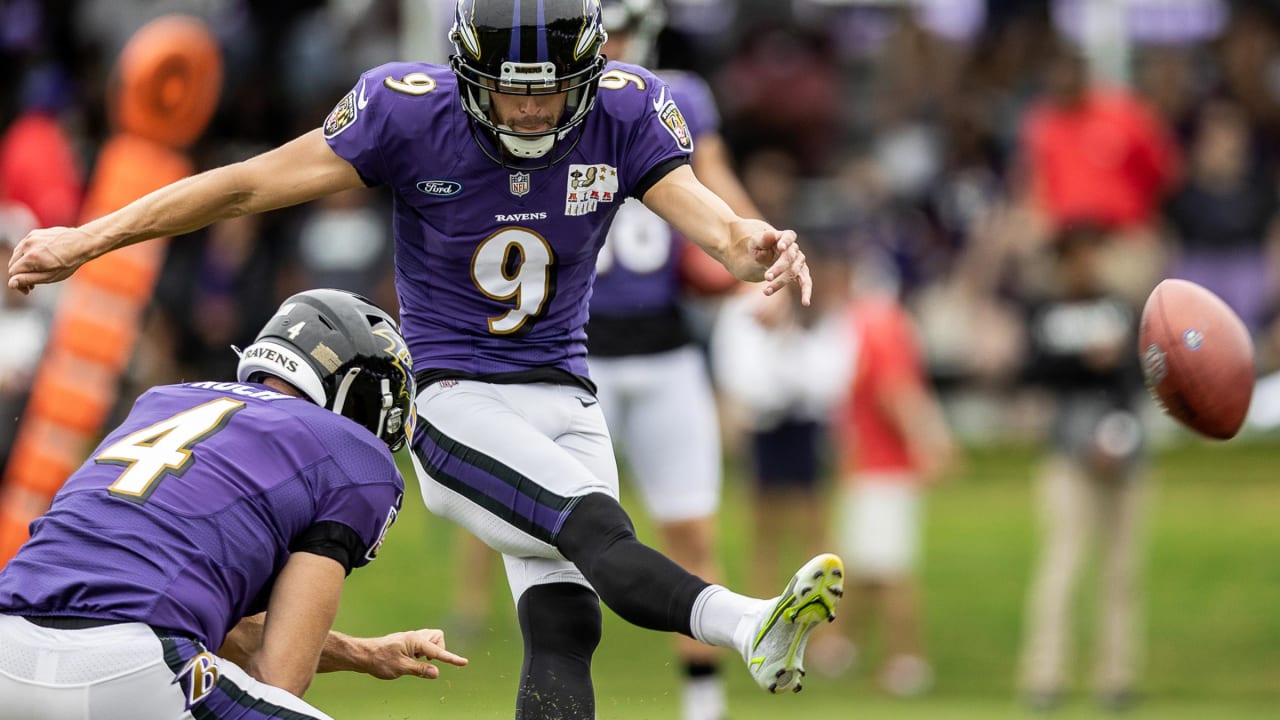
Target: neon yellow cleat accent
[(775, 656)]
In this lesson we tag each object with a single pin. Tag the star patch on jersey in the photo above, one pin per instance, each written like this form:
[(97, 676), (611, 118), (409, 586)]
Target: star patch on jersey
[(673, 121), (342, 116), (589, 185)]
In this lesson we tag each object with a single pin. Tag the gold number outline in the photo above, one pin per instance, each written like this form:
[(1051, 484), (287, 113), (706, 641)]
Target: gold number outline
[(617, 79), (514, 239), (415, 83), (194, 425)]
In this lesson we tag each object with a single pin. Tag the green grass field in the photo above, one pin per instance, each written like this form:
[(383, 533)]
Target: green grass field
[(1212, 603)]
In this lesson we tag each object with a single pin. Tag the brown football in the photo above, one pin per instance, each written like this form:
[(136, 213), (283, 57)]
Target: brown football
[(1197, 358)]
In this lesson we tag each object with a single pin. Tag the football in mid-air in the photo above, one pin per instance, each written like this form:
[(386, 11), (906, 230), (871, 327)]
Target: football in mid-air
[(1197, 358)]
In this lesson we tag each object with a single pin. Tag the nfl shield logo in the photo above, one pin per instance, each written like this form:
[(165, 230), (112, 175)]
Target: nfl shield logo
[(519, 183)]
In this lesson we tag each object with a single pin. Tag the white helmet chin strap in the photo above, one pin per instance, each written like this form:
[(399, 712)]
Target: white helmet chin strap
[(534, 147)]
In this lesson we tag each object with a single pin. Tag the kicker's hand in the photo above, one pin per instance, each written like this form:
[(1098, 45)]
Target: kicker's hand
[(47, 255), (779, 252)]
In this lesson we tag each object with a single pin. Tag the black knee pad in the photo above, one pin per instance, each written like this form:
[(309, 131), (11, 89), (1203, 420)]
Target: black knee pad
[(594, 524), (641, 585), (560, 619)]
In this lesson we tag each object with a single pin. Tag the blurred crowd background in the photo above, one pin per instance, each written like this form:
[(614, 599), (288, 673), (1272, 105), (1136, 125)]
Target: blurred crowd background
[(975, 160), (898, 133)]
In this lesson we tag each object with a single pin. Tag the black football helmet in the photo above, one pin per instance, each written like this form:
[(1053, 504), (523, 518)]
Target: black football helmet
[(345, 354), (524, 47)]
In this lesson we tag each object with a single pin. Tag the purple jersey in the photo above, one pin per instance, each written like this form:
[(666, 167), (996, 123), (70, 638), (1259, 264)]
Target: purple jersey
[(185, 514), (494, 265)]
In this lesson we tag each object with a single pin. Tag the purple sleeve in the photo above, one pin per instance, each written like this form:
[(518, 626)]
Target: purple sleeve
[(696, 102), (659, 135), (363, 493), (354, 128)]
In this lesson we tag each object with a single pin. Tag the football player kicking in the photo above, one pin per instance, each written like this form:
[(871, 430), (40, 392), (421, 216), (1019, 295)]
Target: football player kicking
[(222, 517), (506, 168)]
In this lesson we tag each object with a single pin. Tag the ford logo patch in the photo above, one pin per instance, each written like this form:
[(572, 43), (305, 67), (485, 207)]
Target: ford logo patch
[(439, 188)]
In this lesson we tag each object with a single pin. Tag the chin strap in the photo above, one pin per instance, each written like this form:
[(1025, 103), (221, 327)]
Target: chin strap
[(526, 148)]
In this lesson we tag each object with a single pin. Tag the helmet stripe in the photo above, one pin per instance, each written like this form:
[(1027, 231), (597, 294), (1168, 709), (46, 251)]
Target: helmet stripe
[(542, 34), (528, 31), (514, 52)]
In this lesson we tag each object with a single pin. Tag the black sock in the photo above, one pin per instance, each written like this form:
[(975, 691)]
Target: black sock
[(560, 623), (700, 668)]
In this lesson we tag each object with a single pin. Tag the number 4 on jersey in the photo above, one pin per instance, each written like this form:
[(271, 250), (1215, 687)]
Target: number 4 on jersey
[(163, 448)]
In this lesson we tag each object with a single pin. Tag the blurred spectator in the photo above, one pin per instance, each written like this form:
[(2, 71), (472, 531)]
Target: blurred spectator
[(893, 441), (328, 255), (213, 293), (780, 368), (888, 225), (219, 287), (912, 78), (1099, 155), (41, 184), (698, 34), (770, 176), (782, 88), (970, 187), (1080, 339), (1223, 217), (24, 325), (1174, 81), (325, 46), (39, 168), (1248, 55)]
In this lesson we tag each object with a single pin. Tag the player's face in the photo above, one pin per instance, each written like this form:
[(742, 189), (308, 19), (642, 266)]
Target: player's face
[(538, 112)]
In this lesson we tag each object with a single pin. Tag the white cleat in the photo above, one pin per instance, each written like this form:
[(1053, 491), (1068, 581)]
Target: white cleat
[(775, 650)]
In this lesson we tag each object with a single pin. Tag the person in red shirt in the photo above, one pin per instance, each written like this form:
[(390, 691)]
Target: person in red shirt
[(41, 184), (1099, 155), (892, 442), (39, 169)]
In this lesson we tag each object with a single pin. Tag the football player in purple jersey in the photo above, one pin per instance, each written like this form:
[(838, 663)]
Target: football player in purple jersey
[(193, 565), (653, 382), (506, 167)]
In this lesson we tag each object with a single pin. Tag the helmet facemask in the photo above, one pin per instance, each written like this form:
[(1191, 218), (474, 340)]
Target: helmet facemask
[(557, 53), (370, 400)]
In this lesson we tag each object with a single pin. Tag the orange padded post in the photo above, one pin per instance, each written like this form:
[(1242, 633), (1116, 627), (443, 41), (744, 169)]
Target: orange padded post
[(164, 91)]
